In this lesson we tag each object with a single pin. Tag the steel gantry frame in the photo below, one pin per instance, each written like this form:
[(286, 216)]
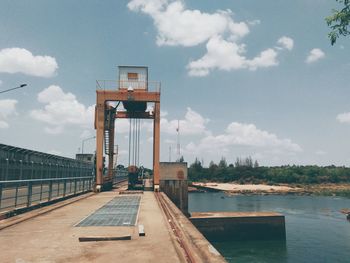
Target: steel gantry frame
[(104, 124)]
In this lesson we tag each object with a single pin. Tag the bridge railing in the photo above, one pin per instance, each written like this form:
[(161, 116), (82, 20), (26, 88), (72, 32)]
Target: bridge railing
[(29, 178)]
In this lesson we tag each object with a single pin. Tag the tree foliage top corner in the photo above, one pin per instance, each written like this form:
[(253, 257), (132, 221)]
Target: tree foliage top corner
[(339, 21)]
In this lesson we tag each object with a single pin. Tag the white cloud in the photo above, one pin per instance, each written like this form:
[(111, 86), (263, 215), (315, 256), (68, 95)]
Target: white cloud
[(7, 108), (225, 55), (343, 117), (286, 42), (267, 58), (241, 134), (192, 124), (315, 55), (20, 60), (178, 26), (1, 82), (61, 110)]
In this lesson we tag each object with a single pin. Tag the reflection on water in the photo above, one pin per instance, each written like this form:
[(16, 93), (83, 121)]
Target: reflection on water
[(316, 230)]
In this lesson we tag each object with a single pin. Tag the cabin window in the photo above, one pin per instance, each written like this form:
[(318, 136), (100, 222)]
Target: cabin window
[(132, 76)]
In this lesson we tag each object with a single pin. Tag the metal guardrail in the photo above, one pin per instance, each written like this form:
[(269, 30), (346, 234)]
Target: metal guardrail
[(26, 193), (127, 84), (29, 177)]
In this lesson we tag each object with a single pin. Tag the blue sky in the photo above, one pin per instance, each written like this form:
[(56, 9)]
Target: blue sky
[(255, 78)]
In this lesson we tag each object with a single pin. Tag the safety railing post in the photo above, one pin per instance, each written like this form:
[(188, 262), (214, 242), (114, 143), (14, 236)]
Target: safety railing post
[(83, 190), (20, 170), (41, 181), (16, 194), (58, 182), (7, 169), (50, 190), (64, 187), (75, 186), (29, 192)]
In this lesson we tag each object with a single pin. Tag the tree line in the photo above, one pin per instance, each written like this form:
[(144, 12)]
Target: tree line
[(247, 170)]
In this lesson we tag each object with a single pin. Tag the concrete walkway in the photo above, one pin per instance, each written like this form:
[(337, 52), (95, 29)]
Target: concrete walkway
[(52, 237)]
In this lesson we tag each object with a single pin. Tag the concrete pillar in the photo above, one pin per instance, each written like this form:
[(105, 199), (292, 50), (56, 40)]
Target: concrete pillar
[(156, 145), (99, 126)]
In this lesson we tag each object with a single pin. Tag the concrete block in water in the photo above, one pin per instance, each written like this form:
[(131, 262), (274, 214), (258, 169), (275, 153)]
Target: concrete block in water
[(217, 226)]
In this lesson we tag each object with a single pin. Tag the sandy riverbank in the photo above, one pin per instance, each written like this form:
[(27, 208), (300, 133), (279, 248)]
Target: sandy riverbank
[(234, 188), (239, 188)]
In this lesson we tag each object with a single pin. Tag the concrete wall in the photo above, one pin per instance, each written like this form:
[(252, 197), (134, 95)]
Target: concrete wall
[(218, 226), (173, 171), (173, 182)]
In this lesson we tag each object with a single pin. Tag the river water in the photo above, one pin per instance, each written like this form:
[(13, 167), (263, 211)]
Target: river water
[(316, 230)]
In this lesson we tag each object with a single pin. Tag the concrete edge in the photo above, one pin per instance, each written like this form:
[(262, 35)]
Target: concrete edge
[(174, 239), (8, 222), (202, 250)]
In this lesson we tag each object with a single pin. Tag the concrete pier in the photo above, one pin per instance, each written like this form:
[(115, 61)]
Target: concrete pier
[(174, 183), (217, 226), (54, 237)]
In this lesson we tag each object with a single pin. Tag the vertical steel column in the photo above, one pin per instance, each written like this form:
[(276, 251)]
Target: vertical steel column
[(156, 145), (99, 126)]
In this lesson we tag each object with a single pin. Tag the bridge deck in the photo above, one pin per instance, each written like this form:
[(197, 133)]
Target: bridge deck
[(53, 237)]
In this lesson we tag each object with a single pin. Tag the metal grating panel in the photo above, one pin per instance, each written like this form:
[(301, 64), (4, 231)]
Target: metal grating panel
[(120, 211)]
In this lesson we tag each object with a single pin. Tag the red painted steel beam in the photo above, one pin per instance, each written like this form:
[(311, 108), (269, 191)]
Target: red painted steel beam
[(133, 115), (125, 95)]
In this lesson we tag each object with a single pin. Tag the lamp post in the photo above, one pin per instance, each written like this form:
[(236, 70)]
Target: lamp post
[(19, 87), (83, 141)]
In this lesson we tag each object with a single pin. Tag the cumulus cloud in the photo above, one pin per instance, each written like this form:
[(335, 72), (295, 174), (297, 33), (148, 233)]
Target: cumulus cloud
[(315, 55), (343, 117), (20, 60), (226, 55), (192, 124), (241, 134), (286, 42), (7, 109), (61, 110), (178, 26)]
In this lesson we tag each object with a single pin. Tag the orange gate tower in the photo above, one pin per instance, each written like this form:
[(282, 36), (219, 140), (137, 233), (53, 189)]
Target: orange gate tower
[(132, 90)]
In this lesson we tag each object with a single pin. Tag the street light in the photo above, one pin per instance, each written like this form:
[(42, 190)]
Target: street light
[(19, 87), (83, 141)]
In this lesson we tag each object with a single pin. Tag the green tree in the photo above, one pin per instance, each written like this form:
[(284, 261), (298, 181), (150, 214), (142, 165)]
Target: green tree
[(256, 164), (222, 163), (339, 21)]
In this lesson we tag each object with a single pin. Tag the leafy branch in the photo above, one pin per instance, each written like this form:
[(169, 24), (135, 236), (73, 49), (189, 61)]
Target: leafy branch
[(339, 21)]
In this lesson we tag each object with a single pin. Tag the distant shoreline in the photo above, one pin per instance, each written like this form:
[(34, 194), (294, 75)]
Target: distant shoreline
[(265, 189)]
